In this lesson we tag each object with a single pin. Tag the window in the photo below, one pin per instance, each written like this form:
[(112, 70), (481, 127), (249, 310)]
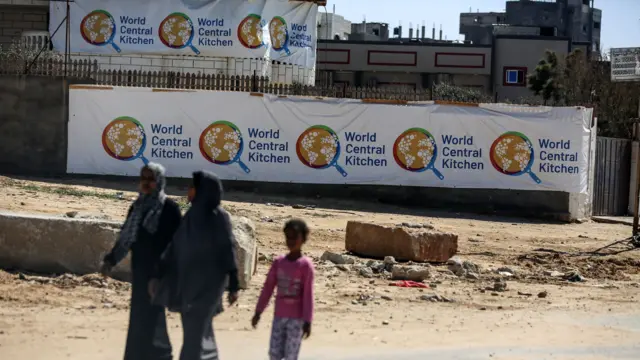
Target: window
[(596, 25), (515, 76)]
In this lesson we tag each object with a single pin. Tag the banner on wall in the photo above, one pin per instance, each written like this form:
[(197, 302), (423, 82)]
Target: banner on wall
[(339, 141), (271, 29)]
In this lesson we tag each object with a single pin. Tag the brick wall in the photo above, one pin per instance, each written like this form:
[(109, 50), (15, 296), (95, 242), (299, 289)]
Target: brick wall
[(14, 20)]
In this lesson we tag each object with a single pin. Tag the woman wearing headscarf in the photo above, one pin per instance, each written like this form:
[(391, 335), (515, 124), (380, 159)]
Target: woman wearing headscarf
[(202, 261), (150, 225)]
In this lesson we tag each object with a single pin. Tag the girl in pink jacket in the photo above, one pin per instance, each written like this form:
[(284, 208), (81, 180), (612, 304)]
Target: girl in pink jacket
[(293, 275)]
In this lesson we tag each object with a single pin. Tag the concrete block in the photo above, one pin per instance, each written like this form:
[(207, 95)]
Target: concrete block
[(121, 60), (183, 63), (101, 59), (161, 62), (34, 17), (11, 32), (141, 61), (40, 25), (204, 64), (14, 16), (47, 244), (401, 243)]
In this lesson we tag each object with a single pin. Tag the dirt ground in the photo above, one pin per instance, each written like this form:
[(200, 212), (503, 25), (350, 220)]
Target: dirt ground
[(598, 318)]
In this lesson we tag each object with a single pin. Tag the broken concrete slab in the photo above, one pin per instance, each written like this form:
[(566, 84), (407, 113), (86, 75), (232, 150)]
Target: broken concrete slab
[(54, 245), (402, 243), (414, 273)]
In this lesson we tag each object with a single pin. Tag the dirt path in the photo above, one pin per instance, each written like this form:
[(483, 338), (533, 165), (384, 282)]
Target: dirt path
[(85, 318)]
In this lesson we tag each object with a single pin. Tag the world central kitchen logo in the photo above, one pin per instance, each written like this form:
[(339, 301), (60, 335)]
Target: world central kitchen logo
[(125, 139), (99, 28)]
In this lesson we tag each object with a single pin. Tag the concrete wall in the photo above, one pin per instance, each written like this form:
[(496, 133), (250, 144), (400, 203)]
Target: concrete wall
[(33, 125), (14, 20), (522, 53)]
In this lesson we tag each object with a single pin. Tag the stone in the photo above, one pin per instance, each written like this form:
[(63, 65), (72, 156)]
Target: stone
[(337, 259), (386, 297), (58, 245), (246, 248), (505, 269), (473, 276), (553, 273), (365, 272), (414, 273), (575, 277), (389, 262), (456, 267), (471, 267), (432, 298), (543, 294), (71, 214), (376, 266), (385, 322), (403, 244), (500, 286)]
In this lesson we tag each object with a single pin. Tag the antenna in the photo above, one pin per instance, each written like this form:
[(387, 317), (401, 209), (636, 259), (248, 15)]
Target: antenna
[(440, 31), (410, 30), (424, 30), (433, 32)]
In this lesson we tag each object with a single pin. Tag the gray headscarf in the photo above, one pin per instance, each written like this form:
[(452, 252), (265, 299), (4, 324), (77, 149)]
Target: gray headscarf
[(203, 244), (145, 211)]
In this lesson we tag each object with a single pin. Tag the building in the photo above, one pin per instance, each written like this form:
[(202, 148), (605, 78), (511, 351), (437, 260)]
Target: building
[(369, 31), (578, 20), (499, 69), (333, 27)]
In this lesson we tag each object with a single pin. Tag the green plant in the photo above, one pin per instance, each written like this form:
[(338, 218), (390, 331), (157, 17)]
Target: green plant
[(544, 81)]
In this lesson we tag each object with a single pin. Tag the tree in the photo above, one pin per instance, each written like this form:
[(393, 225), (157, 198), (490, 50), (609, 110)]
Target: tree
[(544, 81), (586, 81)]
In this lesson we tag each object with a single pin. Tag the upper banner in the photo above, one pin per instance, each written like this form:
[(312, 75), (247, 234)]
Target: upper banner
[(271, 29), (334, 141)]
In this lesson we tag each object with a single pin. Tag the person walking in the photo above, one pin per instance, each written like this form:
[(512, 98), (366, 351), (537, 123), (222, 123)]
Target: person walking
[(151, 222), (293, 274), (202, 260)]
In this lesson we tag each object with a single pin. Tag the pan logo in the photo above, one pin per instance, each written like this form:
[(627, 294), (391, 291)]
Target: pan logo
[(221, 143), (176, 31), (512, 154), (318, 147), (125, 139), (416, 150), (99, 28), (250, 31)]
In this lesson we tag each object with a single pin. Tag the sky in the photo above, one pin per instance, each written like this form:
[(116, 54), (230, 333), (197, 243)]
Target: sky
[(620, 18)]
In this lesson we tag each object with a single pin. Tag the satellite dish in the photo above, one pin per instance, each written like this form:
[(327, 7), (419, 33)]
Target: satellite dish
[(336, 37)]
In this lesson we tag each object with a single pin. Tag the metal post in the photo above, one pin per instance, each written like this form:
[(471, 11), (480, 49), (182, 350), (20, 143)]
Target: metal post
[(67, 45), (636, 199)]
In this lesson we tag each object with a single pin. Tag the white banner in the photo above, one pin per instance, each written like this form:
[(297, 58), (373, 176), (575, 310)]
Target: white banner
[(279, 30), (338, 141)]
